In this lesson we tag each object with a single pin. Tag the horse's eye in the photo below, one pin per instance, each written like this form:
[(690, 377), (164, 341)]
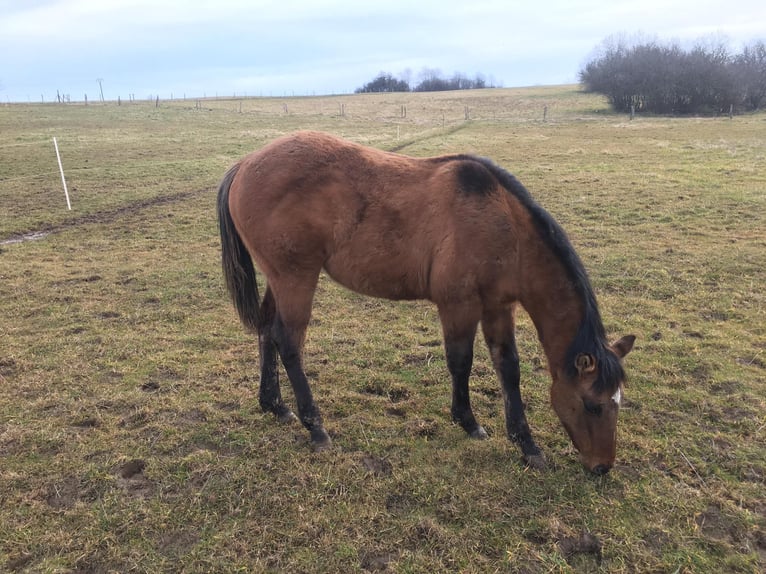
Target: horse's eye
[(592, 408)]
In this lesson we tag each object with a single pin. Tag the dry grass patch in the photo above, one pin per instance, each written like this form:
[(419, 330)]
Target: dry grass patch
[(130, 434)]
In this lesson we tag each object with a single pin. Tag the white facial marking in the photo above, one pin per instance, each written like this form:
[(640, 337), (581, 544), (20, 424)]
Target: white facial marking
[(617, 397)]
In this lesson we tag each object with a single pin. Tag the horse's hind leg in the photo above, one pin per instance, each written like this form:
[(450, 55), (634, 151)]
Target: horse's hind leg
[(293, 311), (270, 396), (498, 328), (459, 327)]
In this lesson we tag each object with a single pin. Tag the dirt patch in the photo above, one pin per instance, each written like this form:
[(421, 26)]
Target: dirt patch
[(722, 445), (395, 393), (752, 362), (7, 368), (67, 492), (426, 428), (132, 468), (757, 507), (627, 471), (18, 563), (716, 525), (489, 392), (537, 534), (754, 473), (97, 563), (430, 382), (760, 544), (449, 509), (108, 315), (627, 403), (659, 462), (192, 417), (701, 374), (401, 502), (376, 466), (34, 236), (429, 533), (375, 388), (64, 494), (419, 360), (228, 406), (693, 334), (417, 140), (657, 540), (168, 374), (716, 316), (134, 420), (396, 412), (86, 422), (481, 370), (585, 543), (178, 542), (427, 530), (378, 562), (736, 414), (726, 388), (88, 279), (107, 216), (130, 478)]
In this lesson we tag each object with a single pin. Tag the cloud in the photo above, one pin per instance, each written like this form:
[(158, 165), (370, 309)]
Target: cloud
[(316, 45)]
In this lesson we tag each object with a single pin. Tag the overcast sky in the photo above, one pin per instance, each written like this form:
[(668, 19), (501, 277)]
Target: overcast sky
[(304, 47)]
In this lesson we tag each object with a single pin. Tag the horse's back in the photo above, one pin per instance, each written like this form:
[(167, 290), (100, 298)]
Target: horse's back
[(380, 223)]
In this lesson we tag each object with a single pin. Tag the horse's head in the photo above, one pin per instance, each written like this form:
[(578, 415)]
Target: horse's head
[(589, 410)]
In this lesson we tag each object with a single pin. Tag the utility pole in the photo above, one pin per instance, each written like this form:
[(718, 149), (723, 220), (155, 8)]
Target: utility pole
[(100, 87)]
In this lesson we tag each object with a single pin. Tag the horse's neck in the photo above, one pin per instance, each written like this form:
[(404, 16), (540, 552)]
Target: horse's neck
[(554, 306)]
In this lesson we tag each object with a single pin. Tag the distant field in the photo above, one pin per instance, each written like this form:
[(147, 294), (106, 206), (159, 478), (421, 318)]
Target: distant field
[(130, 433)]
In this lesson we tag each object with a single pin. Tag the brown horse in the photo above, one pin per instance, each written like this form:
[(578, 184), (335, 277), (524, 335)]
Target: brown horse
[(457, 230)]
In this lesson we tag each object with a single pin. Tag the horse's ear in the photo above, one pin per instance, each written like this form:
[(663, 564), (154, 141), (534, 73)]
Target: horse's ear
[(585, 363), (624, 345)]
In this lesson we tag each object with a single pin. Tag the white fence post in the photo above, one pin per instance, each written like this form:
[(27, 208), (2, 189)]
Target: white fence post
[(63, 179)]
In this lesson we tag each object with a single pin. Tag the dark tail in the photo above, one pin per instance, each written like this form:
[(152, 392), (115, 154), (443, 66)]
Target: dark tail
[(238, 270)]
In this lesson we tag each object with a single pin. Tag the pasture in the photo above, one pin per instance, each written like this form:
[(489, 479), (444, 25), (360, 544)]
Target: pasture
[(131, 439)]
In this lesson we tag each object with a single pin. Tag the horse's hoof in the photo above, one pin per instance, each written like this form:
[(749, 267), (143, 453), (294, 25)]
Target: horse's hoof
[(287, 417), (478, 433), (320, 440), (535, 461), (321, 446)]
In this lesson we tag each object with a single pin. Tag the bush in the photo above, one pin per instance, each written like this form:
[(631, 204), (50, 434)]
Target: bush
[(384, 82), (666, 79), (431, 81)]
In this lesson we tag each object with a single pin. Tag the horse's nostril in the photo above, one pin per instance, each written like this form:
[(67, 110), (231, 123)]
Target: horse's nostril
[(601, 469)]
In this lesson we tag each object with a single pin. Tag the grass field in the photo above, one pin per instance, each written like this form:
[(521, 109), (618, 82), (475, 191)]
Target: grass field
[(130, 435)]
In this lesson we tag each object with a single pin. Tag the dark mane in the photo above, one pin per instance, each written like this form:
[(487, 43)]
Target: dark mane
[(591, 336)]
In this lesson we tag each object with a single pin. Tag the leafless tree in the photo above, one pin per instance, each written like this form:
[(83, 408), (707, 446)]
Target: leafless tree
[(666, 79)]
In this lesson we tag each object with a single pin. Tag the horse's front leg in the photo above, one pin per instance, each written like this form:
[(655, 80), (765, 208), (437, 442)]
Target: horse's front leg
[(498, 328), (459, 329)]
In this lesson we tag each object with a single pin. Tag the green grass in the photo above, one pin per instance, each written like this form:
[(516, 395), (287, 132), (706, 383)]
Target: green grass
[(130, 434)]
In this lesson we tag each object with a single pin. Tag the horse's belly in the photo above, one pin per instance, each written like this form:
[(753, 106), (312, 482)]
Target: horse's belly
[(384, 281)]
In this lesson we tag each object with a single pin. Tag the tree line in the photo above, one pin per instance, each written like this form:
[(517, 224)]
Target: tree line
[(667, 79), (430, 81)]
